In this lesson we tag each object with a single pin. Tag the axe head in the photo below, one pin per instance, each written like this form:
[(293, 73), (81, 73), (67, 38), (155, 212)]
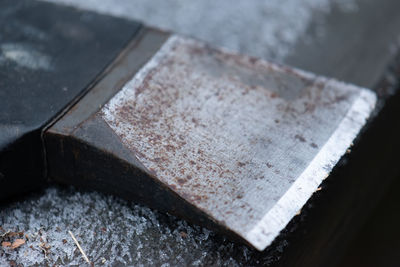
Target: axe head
[(244, 141)]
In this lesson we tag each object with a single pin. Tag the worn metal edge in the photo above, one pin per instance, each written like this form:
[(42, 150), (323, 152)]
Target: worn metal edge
[(290, 204), (131, 59), (137, 78), (100, 76)]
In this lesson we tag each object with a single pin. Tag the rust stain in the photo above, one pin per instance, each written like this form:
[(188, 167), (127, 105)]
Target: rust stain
[(300, 138), (314, 145)]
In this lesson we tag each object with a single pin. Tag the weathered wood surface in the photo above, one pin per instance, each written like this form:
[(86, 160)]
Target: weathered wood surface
[(320, 234)]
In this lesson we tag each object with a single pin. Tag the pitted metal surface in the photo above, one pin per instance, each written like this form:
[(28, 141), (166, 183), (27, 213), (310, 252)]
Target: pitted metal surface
[(244, 140)]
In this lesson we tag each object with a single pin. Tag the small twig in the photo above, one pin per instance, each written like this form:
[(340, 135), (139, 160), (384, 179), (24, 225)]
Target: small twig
[(79, 247), (5, 234)]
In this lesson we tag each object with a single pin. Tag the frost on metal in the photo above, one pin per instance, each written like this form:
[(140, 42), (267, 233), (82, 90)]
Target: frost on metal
[(244, 140)]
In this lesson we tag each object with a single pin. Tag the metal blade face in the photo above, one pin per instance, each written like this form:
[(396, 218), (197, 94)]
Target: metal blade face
[(243, 140)]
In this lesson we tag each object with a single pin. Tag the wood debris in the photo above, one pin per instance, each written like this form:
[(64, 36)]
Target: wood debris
[(45, 248), (5, 244), (17, 243), (11, 239), (79, 247), (183, 234)]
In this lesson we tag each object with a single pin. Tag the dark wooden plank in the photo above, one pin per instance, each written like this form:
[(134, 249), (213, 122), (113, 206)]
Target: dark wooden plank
[(49, 55)]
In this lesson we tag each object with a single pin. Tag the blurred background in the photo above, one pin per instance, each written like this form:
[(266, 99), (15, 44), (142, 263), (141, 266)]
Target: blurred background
[(114, 232)]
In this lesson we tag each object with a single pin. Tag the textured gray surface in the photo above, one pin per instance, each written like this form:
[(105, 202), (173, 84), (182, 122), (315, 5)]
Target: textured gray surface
[(126, 233), (109, 230)]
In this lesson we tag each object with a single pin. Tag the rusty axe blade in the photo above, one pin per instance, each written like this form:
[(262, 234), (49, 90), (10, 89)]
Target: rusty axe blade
[(232, 142)]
